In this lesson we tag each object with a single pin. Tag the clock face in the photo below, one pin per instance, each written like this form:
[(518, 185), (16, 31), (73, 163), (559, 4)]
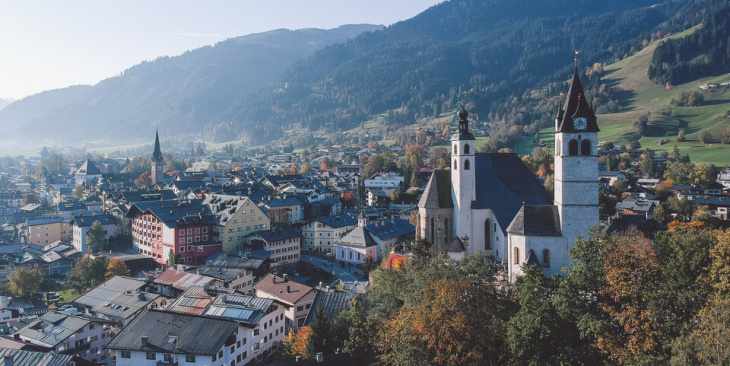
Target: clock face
[(580, 123)]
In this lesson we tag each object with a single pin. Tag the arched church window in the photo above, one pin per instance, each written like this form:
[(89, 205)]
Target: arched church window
[(487, 235), (573, 148), (466, 148), (433, 230), (456, 149), (447, 232), (516, 255), (557, 147), (466, 164), (456, 167), (545, 258), (585, 147)]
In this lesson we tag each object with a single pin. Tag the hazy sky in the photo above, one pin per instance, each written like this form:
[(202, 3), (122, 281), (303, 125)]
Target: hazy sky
[(53, 44)]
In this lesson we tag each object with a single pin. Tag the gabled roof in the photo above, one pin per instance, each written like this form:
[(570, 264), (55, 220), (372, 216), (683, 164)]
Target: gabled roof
[(175, 213), (241, 308), (388, 229), (576, 105), (118, 297), (228, 265), (337, 221), (358, 237), (637, 205), (648, 227), (333, 302), (140, 196), (279, 233), (35, 358), (536, 220), (54, 327), (181, 280), (193, 301), (84, 221), (174, 333), (531, 259), (287, 291), (88, 168), (438, 191)]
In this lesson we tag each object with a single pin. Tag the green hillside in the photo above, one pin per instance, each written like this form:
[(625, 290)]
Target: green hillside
[(642, 96), (638, 96)]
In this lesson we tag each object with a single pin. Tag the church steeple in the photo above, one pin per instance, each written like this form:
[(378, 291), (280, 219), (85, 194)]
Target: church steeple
[(157, 154), (576, 115), (157, 161)]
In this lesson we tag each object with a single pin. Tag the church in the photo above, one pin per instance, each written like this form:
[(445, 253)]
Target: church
[(492, 203)]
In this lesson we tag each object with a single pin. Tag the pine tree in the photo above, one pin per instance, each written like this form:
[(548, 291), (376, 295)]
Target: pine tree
[(319, 340)]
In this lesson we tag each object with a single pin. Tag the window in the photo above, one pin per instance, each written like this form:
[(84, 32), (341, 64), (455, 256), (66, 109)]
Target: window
[(151, 356), (190, 231), (255, 332), (466, 150), (255, 346), (585, 147), (190, 248), (182, 231), (205, 230), (182, 248), (190, 358), (466, 163), (190, 239), (233, 349), (197, 239), (456, 167), (573, 148), (182, 241), (197, 230), (300, 307), (516, 255), (167, 357), (545, 258), (126, 354), (456, 149), (200, 248), (487, 235)]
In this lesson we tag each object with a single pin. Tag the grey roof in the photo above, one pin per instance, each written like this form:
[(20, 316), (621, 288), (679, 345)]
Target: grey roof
[(227, 266), (241, 308), (504, 184), (337, 221), (282, 202), (536, 220), (358, 237), (279, 233), (86, 220), (456, 246), (117, 297), (531, 259), (333, 303), (153, 195), (176, 213), (648, 227), (712, 201), (88, 168), (438, 191), (637, 205), (388, 229), (576, 105), (34, 358), (54, 327), (174, 332)]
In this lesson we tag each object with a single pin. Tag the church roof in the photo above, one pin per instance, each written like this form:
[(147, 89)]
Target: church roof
[(531, 259), (88, 168), (504, 184), (456, 246), (359, 237), (438, 191), (536, 220), (576, 105)]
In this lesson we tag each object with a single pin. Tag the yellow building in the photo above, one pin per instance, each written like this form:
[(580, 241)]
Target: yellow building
[(236, 217)]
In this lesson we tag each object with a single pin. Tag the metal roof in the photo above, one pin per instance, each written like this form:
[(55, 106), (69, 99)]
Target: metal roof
[(33, 358)]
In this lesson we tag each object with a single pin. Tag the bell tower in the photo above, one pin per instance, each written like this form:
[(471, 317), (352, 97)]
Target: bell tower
[(576, 163), (462, 175), (157, 162)]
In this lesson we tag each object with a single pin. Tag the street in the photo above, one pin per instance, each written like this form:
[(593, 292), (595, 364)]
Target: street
[(341, 273)]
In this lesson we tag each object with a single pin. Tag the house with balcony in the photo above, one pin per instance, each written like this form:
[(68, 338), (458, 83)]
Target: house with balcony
[(183, 228), (73, 334), (236, 217), (296, 298)]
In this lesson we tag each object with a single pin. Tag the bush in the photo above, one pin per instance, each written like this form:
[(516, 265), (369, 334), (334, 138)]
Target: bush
[(704, 136)]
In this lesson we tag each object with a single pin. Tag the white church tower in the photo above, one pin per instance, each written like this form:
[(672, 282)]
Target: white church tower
[(462, 176), (576, 163)]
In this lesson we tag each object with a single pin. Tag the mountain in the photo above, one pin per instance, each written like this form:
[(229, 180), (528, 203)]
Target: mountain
[(488, 53), (4, 102), (178, 94)]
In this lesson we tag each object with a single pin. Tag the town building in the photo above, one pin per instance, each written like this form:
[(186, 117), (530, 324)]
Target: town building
[(182, 228), (119, 299), (81, 225), (284, 244), (319, 235), (296, 298), (236, 217), (238, 270), (44, 231)]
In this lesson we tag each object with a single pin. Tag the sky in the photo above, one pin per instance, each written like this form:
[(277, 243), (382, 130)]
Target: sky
[(53, 44)]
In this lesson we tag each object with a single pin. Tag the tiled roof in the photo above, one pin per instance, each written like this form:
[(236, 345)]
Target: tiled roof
[(337, 221), (176, 213), (503, 184), (333, 303), (228, 265), (288, 291), (54, 327), (388, 229), (174, 332), (181, 280), (279, 233), (358, 237), (117, 297), (534, 220), (438, 191), (34, 358)]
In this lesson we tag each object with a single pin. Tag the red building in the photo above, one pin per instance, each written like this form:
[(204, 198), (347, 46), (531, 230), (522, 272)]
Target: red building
[(185, 227)]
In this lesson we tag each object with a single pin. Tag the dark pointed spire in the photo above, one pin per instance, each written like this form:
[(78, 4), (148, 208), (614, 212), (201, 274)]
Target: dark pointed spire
[(157, 154), (576, 106)]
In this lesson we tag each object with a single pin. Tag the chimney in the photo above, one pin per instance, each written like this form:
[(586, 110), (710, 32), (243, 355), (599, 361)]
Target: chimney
[(320, 357), (288, 289), (286, 277), (299, 358), (8, 360), (145, 339), (273, 279)]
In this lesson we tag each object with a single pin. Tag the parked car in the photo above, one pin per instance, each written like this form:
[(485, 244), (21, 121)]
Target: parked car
[(295, 273)]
